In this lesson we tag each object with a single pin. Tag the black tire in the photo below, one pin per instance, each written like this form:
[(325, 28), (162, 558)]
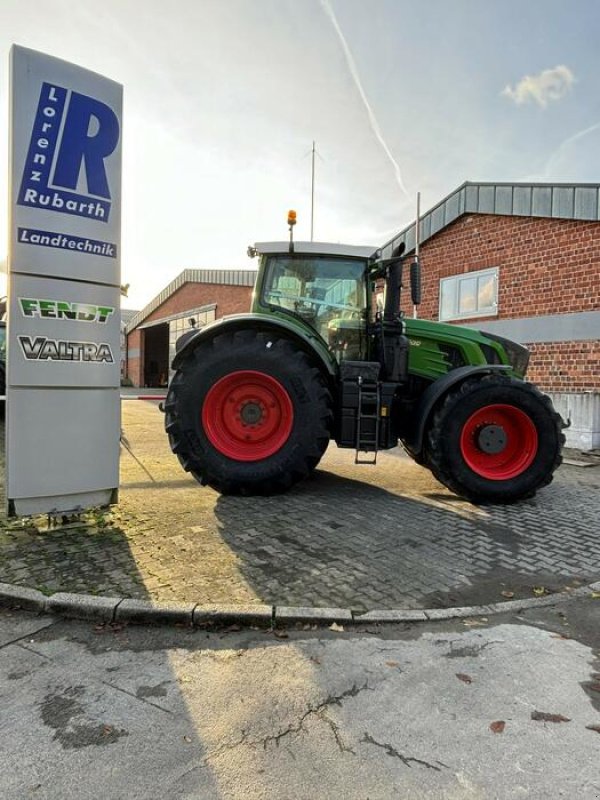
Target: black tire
[(212, 450), (419, 458), (495, 439)]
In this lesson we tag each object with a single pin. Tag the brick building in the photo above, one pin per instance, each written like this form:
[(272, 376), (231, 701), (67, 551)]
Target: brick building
[(522, 261), (518, 260), (198, 295)]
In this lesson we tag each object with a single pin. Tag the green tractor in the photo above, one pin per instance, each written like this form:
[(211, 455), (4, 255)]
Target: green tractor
[(256, 398)]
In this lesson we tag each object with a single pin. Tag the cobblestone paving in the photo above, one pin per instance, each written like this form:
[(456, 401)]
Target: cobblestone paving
[(362, 537)]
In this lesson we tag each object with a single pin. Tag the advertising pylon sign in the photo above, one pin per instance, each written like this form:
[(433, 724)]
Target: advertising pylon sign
[(64, 276)]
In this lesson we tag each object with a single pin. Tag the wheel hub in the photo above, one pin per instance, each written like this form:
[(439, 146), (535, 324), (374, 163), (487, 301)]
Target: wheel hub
[(251, 413), (499, 441), (247, 415), (492, 439)]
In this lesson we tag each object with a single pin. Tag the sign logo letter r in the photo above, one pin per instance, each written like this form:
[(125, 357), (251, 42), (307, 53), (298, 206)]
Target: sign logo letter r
[(90, 134)]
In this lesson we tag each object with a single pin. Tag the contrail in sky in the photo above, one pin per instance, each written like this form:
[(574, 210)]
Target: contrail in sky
[(356, 78), (567, 142)]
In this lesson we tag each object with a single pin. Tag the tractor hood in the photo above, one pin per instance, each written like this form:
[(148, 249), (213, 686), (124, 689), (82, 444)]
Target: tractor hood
[(461, 346)]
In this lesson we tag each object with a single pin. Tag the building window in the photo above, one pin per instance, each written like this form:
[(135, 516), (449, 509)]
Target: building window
[(472, 294)]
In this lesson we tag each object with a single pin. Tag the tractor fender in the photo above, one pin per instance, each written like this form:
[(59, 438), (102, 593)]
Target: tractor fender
[(306, 340), (435, 391)]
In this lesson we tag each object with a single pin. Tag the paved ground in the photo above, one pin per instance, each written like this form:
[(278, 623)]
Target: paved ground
[(429, 711), (353, 536)]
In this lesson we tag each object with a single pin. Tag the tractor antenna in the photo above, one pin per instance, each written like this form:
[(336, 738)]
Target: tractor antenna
[(313, 154)]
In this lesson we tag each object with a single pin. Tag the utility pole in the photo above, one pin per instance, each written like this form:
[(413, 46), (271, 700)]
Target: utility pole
[(417, 240)]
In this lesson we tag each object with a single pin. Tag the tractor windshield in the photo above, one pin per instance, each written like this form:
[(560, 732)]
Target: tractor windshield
[(326, 292)]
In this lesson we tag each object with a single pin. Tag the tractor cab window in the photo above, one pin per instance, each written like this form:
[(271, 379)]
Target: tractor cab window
[(327, 293)]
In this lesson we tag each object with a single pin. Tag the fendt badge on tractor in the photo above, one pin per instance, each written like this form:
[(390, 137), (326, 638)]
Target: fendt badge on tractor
[(256, 397)]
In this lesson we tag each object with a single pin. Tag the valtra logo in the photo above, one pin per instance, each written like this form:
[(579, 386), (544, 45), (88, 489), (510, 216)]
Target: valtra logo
[(73, 135)]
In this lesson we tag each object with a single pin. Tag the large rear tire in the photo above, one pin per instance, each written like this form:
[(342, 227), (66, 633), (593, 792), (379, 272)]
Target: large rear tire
[(495, 439), (247, 413)]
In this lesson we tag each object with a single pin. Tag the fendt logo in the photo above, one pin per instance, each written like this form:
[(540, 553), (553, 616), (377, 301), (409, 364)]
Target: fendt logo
[(65, 171)]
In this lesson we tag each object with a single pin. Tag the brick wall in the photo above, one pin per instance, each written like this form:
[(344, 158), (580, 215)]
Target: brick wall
[(135, 363), (546, 266), (565, 366), (228, 299)]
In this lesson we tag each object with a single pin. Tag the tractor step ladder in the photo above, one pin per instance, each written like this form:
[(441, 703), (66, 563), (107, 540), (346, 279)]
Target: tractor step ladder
[(369, 408)]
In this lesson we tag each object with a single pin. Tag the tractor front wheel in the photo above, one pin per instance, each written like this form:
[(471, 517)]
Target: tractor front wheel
[(247, 413), (495, 440)]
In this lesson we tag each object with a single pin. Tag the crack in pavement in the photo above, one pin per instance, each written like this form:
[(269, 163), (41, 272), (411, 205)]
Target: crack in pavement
[(31, 650), (391, 751), (317, 711), (329, 700), (26, 636), (468, 650), (336, 733)]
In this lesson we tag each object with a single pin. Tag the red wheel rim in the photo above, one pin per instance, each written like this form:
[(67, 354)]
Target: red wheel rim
[(247, 415), (520, 442)]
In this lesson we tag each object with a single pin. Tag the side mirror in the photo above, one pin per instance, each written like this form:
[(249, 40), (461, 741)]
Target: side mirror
[(379, 268), (415, 282)]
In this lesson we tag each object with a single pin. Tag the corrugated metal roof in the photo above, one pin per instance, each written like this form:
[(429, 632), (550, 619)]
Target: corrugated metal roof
[(222, 277), (128, 313), (558, 201)]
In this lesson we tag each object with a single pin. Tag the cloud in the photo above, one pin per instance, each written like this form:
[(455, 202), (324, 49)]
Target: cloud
[(549, 85)]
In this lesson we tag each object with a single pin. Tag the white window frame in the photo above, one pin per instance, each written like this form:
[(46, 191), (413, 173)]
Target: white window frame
[(486, 311)]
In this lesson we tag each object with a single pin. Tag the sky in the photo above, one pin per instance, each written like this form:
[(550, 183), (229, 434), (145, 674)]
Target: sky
[(224, 98)]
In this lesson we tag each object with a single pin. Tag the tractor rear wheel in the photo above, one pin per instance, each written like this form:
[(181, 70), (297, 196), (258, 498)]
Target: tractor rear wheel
[(495, 439), (247, 413)]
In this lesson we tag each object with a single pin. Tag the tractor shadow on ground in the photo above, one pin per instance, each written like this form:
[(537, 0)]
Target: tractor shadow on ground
[(339, 542)]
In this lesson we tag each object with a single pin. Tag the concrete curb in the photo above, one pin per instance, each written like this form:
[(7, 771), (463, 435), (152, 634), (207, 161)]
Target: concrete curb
[(119, 609), (233, 615), (21, 597), (322, 616), (142, 611), (82, 606)]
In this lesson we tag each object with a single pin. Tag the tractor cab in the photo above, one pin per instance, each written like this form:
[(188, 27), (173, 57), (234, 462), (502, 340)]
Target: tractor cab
[(320, 285)]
